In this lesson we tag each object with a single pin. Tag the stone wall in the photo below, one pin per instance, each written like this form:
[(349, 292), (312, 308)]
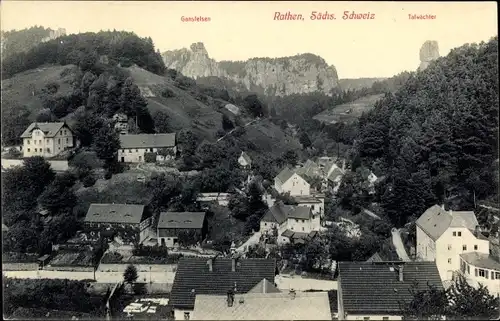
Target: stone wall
[(140, 267), (57, 165)]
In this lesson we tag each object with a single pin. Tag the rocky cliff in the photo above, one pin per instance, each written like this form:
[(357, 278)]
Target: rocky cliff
[(428, 52), (303, 73)]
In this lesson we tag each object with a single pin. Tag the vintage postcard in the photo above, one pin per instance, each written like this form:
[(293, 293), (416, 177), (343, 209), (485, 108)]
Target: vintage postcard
[(250, 160)]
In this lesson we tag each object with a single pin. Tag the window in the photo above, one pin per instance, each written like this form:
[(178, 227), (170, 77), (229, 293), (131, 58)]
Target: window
[(454, 233), (265, 224), (130, 151), (385, 318), (449, 247), (151, 150), (459, 233), (481, 273), (186, 315), (468, 269), (28, 141), (497, 275), (302, 229), (475, 247), (28, 150), (123, 151), (486, 274), (464, 247), (58, 140), (36, 150), (67, 140), (48, 150), (449, 261)]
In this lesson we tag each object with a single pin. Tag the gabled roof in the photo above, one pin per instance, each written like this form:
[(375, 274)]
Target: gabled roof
[(147, 141), (285, 174), (335, 174), (375, 258), (184, 220), (246, 157), (193, 278), (264, 286), (115, 213), (310, 169), (264, 306), (435, 221), (49, 129), (279, 213), (359, 279)]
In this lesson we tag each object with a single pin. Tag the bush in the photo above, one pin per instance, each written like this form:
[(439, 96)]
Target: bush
[(153, 251), (167, 93), (89, 180), (108, 175), (150, 157)]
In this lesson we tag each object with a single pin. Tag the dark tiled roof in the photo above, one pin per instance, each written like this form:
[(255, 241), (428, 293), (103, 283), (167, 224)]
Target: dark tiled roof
[(115, 213), (193, 273), (285, 174), (49, 129), (375, 288), (375, 258), (279, 213), (147, 141), (184, 220)]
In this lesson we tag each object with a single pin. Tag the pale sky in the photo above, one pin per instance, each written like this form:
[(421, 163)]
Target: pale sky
[(381, 47)]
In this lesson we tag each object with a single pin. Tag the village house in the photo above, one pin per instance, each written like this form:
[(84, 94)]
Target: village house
[(133, 148), (289, 222), (481, 268), (245, 161), (172, 224), (47, 139), (215, 276), (121, 123), (291, 305), (315, 202), (117, 217), (442, 236), (375, 290), (288, 181)]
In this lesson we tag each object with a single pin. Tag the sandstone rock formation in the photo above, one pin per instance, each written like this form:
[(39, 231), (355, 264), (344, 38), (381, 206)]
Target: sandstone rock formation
[(428, 52), (303, 73), (55, 34)]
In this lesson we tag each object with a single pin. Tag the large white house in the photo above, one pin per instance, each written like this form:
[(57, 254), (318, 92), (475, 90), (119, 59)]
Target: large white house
[(134, 147), (288, 181), (290, 222), (244, 160), (47, 139), (443, 236)]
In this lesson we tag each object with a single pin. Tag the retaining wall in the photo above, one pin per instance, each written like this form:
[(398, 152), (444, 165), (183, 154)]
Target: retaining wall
[(20, 266), (57, 165), (106, 267)]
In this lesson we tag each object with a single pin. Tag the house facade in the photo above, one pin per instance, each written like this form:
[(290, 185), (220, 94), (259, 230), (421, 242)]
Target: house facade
[(120, 218), (316, 202), (289, 220), (47, 139), (288, 181), (442, 236), (375, 290), (172, 224), (133, 148)]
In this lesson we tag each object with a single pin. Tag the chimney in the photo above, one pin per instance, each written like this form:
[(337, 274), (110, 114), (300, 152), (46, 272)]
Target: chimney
[(292, 294), (210, 265), (230, 298), (400, 270), (477, 231)]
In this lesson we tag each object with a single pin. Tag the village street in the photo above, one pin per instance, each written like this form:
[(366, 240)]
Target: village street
[(398, 244)]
